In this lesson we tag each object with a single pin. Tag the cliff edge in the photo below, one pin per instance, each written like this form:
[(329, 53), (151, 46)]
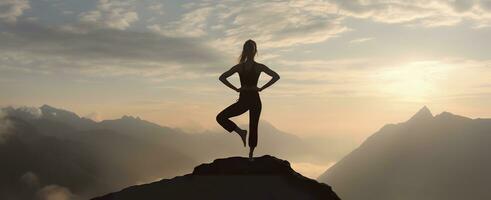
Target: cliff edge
[(266, 177)]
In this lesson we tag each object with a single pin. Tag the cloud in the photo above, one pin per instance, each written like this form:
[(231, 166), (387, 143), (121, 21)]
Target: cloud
[(192, 24), (11, 9), (104, 43), (279, 24), (95, 116), (55, 192), (5, 126), (25, 112), (34, 112), (394, 79), (360, 40), (30, 179), (37, 48), (106, 40), (156, 7), (417, 13), (272, 24), (46, 192), (115, 14)]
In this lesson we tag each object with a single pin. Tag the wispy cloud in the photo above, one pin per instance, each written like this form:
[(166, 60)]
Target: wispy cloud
[(105, 51), (115, 14), (431, 13), (192, 24), (316, 46), (361, 40), (10, 10), (157, 7), (273, 24), (5, 126), (55, 192), (103, 41)]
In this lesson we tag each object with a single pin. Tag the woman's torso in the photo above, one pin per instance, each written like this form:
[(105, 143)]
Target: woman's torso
[(249, 74)]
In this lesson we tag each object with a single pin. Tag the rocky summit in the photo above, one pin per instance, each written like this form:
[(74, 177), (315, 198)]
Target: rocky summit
[(266, 177)]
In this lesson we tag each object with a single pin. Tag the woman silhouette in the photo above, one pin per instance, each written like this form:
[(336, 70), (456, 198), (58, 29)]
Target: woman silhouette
[(249, 72)]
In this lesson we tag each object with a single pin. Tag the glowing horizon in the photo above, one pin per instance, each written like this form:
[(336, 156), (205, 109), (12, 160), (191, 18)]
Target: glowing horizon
[(347, 69)]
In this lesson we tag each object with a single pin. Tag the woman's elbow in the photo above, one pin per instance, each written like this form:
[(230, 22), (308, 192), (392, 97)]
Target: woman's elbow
[(221, 78), (277, 77)]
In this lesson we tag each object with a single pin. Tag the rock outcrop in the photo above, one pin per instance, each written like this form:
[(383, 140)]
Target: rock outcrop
[(266, 177)]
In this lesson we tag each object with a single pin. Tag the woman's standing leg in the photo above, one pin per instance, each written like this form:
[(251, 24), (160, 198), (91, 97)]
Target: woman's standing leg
[(254, 113)]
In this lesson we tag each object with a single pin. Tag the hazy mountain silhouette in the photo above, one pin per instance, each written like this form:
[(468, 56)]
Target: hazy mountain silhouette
[(442, 157), (86, 162), (63, 124), (31, 161), (92, 158), (232, 178)]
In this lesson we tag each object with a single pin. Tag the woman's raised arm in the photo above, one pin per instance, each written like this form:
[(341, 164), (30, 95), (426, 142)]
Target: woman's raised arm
[(274, 77), (225, 75)]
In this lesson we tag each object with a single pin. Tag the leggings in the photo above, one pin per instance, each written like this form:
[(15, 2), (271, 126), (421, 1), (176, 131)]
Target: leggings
[(247, 101)]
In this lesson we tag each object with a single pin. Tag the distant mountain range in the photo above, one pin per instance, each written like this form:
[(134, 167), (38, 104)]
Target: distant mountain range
[(55, 147), (442, 157), (48, 149)]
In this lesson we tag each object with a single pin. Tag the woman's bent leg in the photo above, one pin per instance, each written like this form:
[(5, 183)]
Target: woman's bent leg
[(231, 111)]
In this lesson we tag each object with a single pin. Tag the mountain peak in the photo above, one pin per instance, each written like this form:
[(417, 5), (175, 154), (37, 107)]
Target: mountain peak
[(418, 153), (239, 165), (50, 111), (423, 114), (46, 106), (130, 118), (266, 177)]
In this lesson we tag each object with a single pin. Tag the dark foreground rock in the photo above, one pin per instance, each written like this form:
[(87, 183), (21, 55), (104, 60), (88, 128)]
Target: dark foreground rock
[(232, 178)]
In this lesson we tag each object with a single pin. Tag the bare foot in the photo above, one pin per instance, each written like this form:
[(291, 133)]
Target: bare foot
[(243, 135), (251, 152)]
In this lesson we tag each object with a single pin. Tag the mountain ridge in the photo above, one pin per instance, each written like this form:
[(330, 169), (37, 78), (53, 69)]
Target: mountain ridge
[(121, 152), (424, 159)]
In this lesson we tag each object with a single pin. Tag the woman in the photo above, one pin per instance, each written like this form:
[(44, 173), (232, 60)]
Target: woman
[(249, 72)]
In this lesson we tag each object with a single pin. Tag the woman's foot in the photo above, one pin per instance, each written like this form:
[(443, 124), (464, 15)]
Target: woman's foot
[(251, 154), (242, 134)]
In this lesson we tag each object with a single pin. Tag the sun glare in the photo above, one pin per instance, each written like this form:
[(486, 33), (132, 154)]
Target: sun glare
[(415, 81)]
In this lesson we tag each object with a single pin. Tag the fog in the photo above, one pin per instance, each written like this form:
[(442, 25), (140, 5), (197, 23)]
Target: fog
[(55, 154)]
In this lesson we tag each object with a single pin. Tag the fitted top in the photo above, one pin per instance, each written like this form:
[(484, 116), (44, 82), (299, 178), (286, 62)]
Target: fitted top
[(250, 76)]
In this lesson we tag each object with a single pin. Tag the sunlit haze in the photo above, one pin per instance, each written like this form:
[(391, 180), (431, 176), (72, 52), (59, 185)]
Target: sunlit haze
[(347, 68)]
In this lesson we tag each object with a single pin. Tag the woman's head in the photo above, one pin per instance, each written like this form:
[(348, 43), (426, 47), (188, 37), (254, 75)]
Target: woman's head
[(248, 52)]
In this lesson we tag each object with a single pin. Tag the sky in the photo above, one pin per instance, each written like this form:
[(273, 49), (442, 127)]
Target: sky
[(347, 67)]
